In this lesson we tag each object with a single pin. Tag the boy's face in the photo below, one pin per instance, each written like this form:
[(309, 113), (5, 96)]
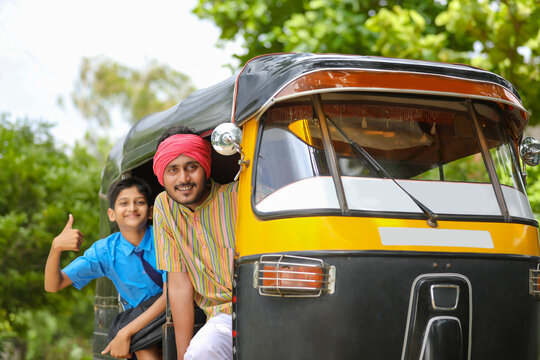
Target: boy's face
[(185, 181), (131, 210)]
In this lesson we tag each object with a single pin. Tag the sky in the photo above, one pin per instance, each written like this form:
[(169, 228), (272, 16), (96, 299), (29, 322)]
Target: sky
[(42, 44)]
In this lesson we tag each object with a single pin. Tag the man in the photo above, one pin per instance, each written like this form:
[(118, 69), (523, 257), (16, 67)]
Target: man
[(194, 230)]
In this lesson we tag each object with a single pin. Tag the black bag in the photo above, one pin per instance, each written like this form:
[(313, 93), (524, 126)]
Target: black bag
[(148, 336), (169, 341)]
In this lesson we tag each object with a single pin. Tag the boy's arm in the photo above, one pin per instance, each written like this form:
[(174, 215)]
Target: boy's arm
[(181, 300), (119, 346), (68, 239)]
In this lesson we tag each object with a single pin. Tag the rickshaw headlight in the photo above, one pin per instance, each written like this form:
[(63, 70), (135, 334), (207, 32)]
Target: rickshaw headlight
[(293, 276)]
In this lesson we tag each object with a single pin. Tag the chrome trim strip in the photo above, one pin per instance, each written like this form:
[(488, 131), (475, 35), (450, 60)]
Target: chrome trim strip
[(330, 154), (534, 282), (256, 275), (233, 107), (454, 307), (332, 280), (430, 275), (431, 321), (488, 161)]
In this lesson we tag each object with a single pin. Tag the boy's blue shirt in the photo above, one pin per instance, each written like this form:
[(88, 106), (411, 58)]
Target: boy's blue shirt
[(114, 257)]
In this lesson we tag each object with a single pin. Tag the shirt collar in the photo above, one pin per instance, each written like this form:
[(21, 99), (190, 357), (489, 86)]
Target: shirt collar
[(145, 244)]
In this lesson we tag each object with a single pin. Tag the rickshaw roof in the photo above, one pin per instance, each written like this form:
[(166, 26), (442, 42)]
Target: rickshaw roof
[(244, 94)]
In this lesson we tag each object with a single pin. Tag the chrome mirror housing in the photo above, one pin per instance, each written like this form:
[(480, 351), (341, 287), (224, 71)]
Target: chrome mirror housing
[(529, 150), (226, 139)]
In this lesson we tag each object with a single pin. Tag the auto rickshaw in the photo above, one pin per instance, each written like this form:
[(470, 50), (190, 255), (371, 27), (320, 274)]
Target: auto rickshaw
[(382, 208)]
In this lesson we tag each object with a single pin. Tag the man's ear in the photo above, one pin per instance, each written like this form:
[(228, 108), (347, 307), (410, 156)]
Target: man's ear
[(150, 212), (111, 214)]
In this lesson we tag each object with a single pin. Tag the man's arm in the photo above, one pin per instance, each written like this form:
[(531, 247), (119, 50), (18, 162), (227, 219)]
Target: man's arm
[(181, 301), (119, 346), (68, 239), (180, 287)]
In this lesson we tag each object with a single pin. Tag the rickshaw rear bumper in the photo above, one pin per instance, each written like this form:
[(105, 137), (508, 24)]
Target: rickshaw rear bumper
[(392, 305)]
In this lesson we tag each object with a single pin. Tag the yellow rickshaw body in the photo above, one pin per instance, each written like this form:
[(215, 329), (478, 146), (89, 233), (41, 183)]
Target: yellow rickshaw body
[(341, 279)]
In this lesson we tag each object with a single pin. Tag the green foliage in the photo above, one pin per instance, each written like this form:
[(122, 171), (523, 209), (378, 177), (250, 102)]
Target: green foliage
[(503, 32), (533, 189), (493, 35), (467, 169), (497, 35), (299, 25), (105, 87), (41, 184), (46, 335)]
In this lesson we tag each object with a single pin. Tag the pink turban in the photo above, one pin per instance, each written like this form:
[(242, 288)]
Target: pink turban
[(182, 144)]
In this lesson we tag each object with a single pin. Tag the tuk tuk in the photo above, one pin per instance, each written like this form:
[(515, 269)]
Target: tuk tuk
[(382, 209)]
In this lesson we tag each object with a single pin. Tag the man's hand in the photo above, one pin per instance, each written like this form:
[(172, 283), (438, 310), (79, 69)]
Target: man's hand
[(119, 346), (69, 238)]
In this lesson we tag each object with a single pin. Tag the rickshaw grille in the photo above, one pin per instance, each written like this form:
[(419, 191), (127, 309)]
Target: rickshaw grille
[(293, 276), (534, 282)]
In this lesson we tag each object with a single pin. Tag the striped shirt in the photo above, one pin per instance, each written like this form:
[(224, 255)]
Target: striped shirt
[(200, 243)]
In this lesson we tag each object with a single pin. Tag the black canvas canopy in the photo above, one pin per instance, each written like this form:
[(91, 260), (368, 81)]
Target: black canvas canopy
[(243, 95)]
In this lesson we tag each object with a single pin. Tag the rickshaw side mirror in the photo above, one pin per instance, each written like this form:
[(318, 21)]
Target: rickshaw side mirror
[(226, 139), (529, 150)]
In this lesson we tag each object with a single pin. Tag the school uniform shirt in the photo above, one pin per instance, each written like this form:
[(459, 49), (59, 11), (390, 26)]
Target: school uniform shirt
[(114, 258), (200, 243)]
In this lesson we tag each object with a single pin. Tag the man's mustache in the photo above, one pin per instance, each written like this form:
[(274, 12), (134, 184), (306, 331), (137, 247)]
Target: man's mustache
[(177, 187)]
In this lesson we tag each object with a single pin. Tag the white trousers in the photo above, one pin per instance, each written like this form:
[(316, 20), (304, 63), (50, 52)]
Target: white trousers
[(213, 341)]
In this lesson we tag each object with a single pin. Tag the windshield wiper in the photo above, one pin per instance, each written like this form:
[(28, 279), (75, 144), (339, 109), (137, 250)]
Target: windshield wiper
[(431, 216)]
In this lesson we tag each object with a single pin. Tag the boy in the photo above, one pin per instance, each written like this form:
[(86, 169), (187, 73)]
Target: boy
[(120, 257)]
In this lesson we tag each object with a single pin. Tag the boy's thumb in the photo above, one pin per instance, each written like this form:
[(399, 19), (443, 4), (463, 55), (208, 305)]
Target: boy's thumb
[(69, 224), (106, 349)]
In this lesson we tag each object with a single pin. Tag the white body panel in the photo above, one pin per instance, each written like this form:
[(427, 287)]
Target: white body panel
[(435, 237), (373, 194)]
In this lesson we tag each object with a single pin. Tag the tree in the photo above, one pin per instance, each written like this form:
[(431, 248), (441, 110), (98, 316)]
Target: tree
[(105, 87), (501, 36), (41, 184), (498, 35), (533, 189)]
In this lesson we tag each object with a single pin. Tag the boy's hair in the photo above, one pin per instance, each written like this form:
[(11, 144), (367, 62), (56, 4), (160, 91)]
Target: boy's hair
[(117, 187), (175, 130)]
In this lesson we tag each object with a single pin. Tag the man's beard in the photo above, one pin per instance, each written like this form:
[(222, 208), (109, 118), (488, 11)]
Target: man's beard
[(200, 193)]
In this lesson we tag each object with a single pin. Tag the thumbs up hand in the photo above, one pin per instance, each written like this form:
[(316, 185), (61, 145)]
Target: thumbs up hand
[(69, 238)]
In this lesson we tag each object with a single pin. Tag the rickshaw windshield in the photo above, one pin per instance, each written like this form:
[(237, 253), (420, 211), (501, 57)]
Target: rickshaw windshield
[(429, 145)]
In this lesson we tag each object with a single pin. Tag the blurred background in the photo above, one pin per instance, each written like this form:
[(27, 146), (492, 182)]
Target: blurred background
[(74, 76)]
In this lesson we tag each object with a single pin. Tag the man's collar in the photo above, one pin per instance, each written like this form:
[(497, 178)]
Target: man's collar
[(213, 187)]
